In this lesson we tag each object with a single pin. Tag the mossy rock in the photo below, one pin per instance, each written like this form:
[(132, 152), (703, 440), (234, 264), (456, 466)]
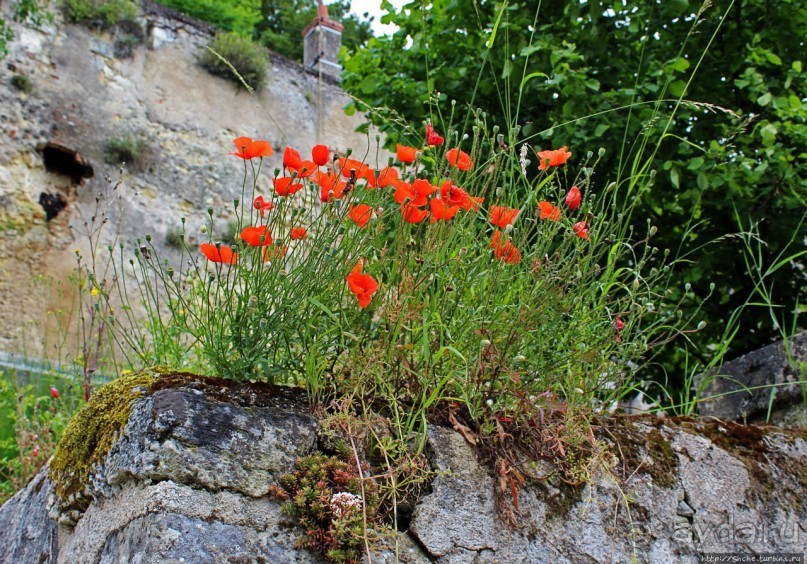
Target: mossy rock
[(91, 433)]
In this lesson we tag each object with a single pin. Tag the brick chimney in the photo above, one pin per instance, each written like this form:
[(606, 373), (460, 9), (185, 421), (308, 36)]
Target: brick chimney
[(322, 40)]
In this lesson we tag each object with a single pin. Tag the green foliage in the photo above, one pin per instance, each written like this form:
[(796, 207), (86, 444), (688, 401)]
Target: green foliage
[(32, 421), (21, 82), (275, 24), (581, 75), (102, 13), (238, 16), (128, 149), (248, 59), (331, 501)]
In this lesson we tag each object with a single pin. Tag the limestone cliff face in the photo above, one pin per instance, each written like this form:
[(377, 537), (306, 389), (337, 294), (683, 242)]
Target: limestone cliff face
[(82, 96), (187, 480)]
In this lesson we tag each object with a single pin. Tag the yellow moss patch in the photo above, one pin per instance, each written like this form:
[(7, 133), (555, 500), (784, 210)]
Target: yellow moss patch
[(94, 429)]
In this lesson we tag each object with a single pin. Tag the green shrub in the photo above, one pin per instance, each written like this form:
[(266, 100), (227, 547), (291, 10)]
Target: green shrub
[(242, 56), (21, 82), (127, 149), (102, 13)]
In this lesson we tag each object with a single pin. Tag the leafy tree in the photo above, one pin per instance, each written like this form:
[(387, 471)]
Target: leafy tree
[(740, 144), (283, 22)]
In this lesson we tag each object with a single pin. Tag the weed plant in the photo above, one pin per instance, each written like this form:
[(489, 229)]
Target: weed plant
[(22, 83), (238, 59)]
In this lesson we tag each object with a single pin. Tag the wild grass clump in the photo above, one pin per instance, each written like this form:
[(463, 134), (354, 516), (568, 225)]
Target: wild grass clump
[(101, 13), (130, 149), (238, 59), (22, 83)]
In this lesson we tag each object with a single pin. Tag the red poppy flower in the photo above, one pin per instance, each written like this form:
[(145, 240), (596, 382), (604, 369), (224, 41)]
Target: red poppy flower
[(455, 196), (247, 148), (502, 217), (573, 198), (320, 154), (360, 214), (348, 165), (387, 176), (330, 186), (54, 393), (262, 205), (298, 233), (368, 174), (506, 250), (292, 160), (413, 214), (416, 194), (307, 168), (441, 210), (548, 211), (256, 236), (362, 285), (581, 229), (549, 159), (284, 186), (459, 159), (432, 137), (406, 154), (218, 253), (476, 202)]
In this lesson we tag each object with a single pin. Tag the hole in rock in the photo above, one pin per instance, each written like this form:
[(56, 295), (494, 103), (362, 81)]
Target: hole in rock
[(63, 160), (52, 204)]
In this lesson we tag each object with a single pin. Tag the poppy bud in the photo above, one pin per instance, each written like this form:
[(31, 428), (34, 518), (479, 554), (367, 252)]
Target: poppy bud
[(54, 393), (579, 391), (601, 152), (204, 229), (701, 325), (519, 358), (484, 342)]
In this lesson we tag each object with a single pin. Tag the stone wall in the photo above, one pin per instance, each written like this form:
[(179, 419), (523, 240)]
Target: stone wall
[(83, 96), (189, 476)]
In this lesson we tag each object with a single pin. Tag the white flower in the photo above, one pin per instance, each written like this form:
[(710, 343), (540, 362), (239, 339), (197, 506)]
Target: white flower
[(341, 502)]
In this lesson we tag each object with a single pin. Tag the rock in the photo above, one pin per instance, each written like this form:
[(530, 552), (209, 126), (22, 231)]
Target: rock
[(187, 477), (715, 502), (756, 372), (27, 534)]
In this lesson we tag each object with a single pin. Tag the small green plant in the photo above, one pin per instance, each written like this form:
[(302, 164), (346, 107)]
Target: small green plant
[(128, 35), (129, 149), (332, 502), (238, 59), (101, 13), (175, 237), (22, 83)]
